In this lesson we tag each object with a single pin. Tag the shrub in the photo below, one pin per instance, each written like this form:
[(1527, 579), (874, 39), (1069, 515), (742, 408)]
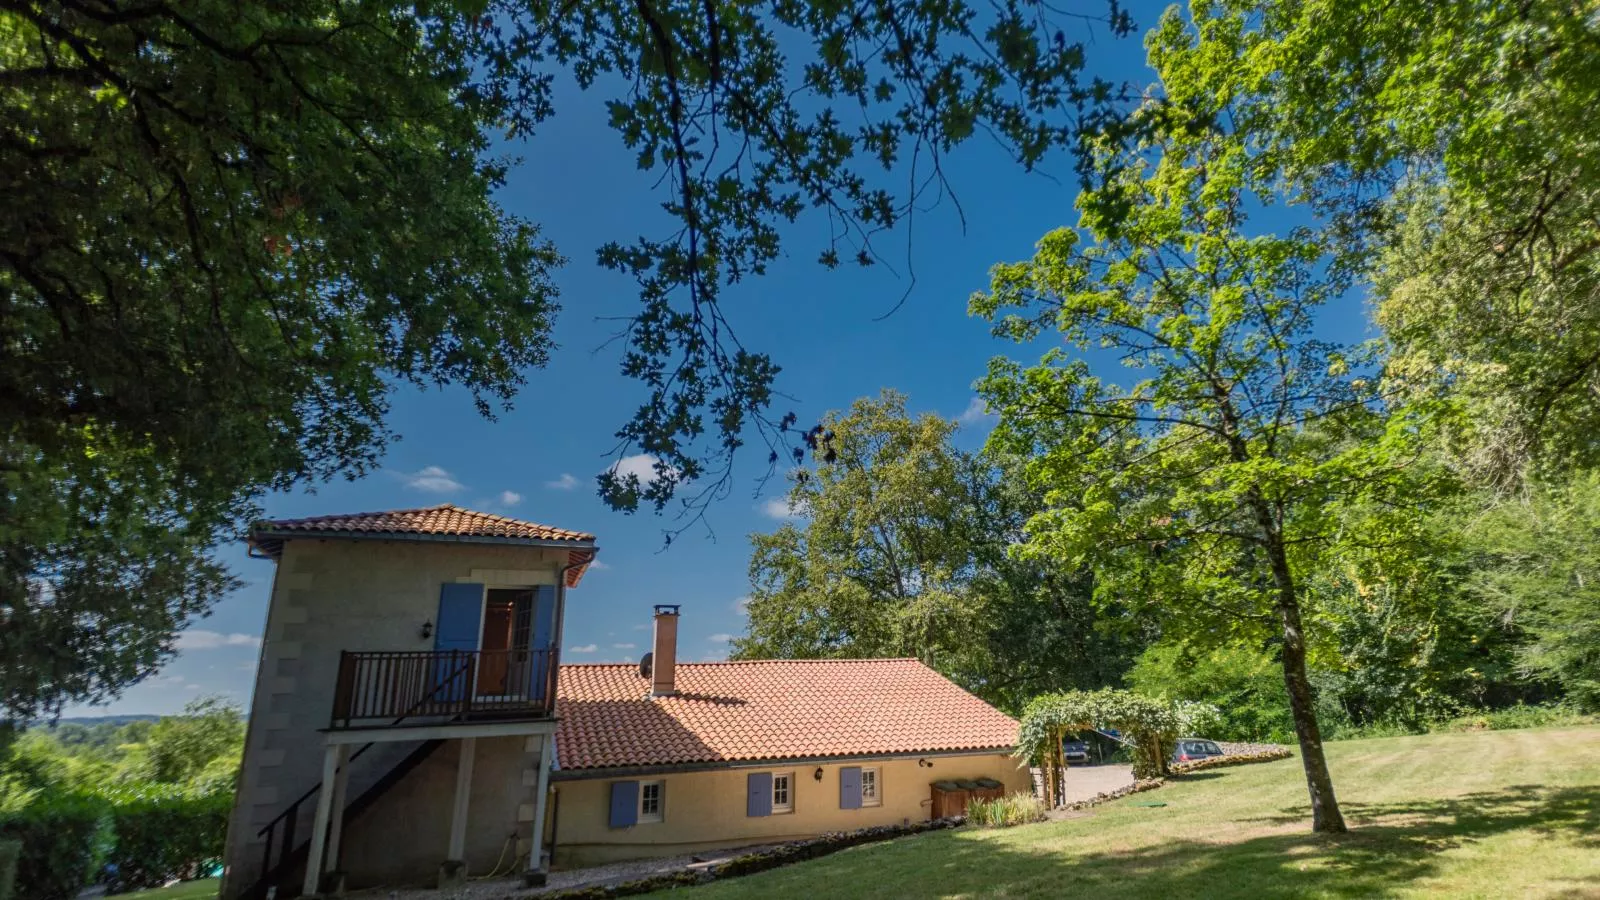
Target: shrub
[(165, 832), (9, 851), (1518, 716), (1380, 729), (1197, 718), (1002, 812), (65, 839)]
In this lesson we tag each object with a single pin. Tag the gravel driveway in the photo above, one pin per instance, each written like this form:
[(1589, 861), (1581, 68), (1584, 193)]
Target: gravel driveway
[(1084, 782)]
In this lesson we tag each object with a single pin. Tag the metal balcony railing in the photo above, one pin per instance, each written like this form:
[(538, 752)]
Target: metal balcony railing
[(376, 686)]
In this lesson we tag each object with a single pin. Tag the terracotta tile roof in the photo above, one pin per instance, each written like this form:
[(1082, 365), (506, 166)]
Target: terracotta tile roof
[(445, 521), (773, 709)]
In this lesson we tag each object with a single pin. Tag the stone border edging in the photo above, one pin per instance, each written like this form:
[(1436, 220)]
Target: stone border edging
[(750, 863), (1231, 759)]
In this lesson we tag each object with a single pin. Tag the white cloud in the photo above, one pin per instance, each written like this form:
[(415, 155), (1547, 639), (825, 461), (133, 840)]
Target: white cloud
[(742, 605), (566, 482), (624, 646), (432, 479), (509, 498), (720, 638), (640, 627), (974, 413), (200, 639), (780, 508), (598, 566), (584, 648), (640, 464)]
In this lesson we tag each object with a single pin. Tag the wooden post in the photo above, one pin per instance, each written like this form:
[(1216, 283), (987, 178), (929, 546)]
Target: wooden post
[(535, 875), (458, 814), (332, 758), (341, 784)]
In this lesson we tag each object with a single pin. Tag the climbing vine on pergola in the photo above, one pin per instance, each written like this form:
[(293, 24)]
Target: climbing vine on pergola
[(1150, 725)]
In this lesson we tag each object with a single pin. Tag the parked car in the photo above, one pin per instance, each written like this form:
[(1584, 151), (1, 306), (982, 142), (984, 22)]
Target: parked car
[(1191, 749), (1076, 751)]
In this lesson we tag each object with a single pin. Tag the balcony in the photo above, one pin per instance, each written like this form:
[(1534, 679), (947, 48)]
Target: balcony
[(384, 689)]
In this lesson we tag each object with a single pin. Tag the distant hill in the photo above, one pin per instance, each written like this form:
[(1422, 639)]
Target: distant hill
[(114, 721)]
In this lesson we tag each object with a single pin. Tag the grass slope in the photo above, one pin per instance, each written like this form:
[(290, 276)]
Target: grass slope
[(203, 889), (1491, 814)]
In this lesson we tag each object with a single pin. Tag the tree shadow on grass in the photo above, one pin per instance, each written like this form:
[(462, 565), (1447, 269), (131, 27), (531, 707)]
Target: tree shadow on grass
[(1391, 845)]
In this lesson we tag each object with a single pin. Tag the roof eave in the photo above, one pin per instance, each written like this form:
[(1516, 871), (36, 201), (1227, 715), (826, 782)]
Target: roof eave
[(270, 540), (594, 772)]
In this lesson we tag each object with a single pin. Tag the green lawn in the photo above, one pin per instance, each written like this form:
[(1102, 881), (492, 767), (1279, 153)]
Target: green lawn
[(1491, 814), (202, 889)]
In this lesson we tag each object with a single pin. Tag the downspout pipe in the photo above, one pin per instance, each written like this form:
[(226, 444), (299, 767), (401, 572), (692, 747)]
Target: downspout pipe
[(535, 873), (561, 602)]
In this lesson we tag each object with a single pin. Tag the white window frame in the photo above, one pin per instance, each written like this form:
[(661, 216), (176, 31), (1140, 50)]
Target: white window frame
[(872, 775), (787, 806), (660, 815)]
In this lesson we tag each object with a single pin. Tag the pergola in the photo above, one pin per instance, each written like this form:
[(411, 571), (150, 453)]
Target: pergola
[(1150, 727)]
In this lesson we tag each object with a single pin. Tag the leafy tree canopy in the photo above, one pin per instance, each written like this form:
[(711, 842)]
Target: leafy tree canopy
[(1245, 684), (235, 228), (1534, 562), (1209, 488), (901, 551), (1451, 147)]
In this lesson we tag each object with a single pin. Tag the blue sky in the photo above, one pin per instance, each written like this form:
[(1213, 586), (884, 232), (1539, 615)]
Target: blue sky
[(539, 461)]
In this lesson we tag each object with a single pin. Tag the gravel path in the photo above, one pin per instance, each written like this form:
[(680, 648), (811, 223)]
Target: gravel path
[(1084, 782)]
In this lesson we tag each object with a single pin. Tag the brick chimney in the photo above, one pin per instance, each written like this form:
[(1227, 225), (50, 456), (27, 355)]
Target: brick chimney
[(664, 653)]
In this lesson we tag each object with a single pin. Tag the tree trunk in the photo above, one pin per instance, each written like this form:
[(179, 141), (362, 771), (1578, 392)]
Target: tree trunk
[(1325, 815)]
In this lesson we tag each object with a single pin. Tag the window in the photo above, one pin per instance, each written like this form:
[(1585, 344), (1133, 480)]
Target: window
[(651, 794), (783, 792), (869, 788)]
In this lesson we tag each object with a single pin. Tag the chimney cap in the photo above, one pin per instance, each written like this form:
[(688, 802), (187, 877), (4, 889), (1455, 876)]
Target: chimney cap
[(667, 609)]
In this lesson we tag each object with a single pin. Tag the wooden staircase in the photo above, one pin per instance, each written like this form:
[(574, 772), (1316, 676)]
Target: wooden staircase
[(279, 834)]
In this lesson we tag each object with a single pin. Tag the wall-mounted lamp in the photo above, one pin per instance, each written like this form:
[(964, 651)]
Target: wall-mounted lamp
[(922, 763), (817, 774), (426, 631)]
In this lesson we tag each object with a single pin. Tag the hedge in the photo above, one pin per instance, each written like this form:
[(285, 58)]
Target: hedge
[(65, 839), (163, 833)]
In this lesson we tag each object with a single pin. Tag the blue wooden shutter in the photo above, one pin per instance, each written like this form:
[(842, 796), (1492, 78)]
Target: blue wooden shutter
[(544, 617), (542, 639), (850, 787), (759, 788), (624, 803), (458, 627), (460, 614)]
